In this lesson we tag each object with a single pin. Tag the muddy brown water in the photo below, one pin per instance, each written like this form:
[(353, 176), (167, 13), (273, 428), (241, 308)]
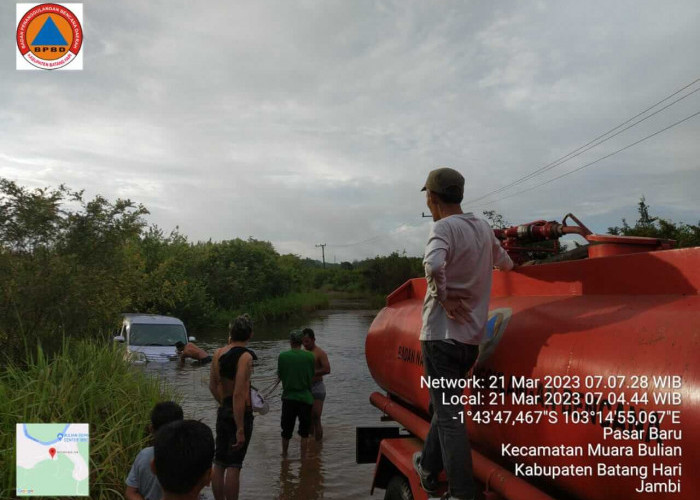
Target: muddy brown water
[(329, 471)]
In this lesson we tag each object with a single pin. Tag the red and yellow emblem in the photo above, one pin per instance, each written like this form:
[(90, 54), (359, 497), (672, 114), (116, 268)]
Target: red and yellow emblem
[(49, 36)]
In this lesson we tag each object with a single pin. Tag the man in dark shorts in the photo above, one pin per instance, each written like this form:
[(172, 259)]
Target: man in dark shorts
[(230, 385), (295, 368)]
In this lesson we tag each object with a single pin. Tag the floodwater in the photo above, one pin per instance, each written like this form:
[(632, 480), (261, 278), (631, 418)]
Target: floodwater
[(329, 471)]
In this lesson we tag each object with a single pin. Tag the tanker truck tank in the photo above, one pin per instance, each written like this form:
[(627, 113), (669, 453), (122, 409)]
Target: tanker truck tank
[(585, 388)]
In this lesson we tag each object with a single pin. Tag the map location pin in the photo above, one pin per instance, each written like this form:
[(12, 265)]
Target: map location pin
[(52, 452)]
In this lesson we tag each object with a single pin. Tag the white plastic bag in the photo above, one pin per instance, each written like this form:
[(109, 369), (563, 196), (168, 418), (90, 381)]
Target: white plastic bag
[(258, 402)]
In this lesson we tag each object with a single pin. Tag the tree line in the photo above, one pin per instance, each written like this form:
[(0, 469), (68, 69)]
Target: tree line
[(685, 235), (70, 266)]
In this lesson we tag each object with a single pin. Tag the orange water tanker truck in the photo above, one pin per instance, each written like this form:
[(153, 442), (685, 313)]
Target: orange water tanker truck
[(586, 386)]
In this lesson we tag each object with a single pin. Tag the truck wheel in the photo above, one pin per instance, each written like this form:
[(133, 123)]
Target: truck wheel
[(398, 489)]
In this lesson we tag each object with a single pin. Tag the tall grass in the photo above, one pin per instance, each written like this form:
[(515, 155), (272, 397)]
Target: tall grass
[(288, 305), (86, 382), (279, 308)]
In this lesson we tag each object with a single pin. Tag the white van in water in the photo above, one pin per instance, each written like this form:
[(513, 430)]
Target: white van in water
[(149, 337)]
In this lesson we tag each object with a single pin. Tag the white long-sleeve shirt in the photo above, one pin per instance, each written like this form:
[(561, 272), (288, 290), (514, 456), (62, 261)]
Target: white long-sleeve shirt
[(459, 257)]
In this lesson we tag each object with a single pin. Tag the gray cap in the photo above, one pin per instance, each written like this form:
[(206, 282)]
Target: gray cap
[(444, 180), (296, 336)]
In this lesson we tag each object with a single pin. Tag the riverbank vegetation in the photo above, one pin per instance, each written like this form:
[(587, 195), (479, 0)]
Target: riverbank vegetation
[(84, 382), (70, 266)]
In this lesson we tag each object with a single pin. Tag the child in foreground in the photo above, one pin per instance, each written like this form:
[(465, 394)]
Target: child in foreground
[(183, 454), (141, 484)]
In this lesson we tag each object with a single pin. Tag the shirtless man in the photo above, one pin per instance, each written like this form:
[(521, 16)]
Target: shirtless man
[(318, 389), (229, 383), (190, 350)]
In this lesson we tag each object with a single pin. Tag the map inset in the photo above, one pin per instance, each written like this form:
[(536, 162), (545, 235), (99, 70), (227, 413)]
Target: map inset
[(52, 459)]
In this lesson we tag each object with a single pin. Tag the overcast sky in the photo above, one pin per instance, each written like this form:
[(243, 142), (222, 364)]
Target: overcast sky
[(307, 122)]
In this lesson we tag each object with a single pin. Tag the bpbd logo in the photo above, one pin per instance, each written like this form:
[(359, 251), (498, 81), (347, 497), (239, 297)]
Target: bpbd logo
[(49, 35)]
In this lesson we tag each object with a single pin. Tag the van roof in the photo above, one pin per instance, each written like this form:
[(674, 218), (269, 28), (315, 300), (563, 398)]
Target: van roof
[(137, 318)]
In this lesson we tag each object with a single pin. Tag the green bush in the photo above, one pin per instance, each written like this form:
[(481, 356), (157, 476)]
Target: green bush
[(86, 382), (70, 266), (685, 235)]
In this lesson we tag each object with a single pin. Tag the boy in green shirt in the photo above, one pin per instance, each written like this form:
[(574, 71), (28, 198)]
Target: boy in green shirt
[(295, 368)]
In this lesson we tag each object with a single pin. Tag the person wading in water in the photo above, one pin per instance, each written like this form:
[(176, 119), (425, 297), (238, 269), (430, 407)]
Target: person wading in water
[(229, 383), (318, 389)]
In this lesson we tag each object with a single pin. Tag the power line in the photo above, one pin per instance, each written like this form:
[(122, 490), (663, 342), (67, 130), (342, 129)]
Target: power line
[(576, 152), (570, 156), (594, 142), (596, 161), (543, 183)]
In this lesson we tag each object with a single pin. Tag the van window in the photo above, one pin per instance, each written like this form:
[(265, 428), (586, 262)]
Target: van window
[(154, 334)]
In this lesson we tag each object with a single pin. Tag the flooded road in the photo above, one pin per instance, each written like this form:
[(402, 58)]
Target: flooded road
[(330, 471)]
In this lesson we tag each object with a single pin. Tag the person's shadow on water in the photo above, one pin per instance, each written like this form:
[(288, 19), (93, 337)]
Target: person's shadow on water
[(302, 478)]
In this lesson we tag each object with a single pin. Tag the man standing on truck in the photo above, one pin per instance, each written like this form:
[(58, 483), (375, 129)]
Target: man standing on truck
[(459, 258), (318, 388)]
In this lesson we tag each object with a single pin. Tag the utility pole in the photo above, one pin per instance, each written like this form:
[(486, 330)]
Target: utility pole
[(323, 253)]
